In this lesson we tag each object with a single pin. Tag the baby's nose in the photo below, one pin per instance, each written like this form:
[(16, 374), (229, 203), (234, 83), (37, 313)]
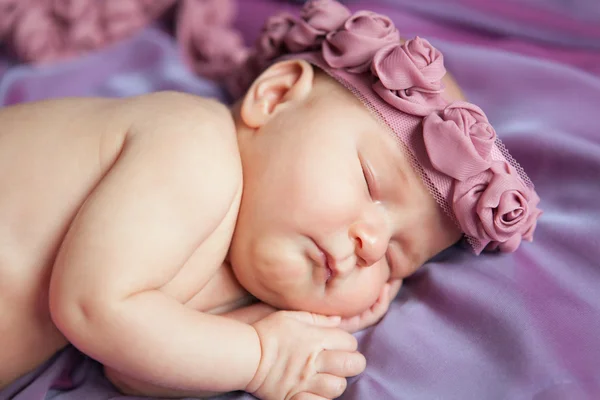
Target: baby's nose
[(371, 241)]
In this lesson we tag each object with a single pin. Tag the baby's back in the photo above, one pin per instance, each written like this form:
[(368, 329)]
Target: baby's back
[(52, 154)]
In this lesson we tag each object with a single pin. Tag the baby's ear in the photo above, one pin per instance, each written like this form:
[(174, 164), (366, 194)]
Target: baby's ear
[(281, 85)]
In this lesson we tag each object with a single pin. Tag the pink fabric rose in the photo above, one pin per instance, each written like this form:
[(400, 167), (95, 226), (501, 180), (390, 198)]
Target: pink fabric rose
[(70, 10), (410, 76), (85, 32), (206, 12), (325, 15), (414, 64), (270, 43), (122, 18), (49, 30), (459, 140), (215, 52), (319, 17), (207, 45), (354, 46), (9, 13), (153, 8), (411, 101), (496, 208), (36, 36)]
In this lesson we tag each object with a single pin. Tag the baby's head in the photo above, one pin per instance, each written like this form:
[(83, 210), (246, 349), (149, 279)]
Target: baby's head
[(356, 169), (325, 186)]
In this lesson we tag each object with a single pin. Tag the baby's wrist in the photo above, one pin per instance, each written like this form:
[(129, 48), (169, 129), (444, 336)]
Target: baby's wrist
[(259, 374)]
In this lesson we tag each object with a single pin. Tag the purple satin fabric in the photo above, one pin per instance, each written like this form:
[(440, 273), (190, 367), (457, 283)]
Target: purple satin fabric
[(145, 63), (517, 326)]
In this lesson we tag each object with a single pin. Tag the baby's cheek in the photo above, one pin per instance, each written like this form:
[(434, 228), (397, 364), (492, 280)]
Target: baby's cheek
[(380, 276), (327, 197), (364, 293)]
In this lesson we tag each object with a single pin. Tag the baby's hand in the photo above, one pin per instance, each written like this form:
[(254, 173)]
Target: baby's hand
[(304, 357), (373, 314)]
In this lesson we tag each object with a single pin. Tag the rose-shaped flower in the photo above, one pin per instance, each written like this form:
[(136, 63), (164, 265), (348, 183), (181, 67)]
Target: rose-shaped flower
[(354, 46), (207, 45), (410, 76), (9, 13), (270, 43), (513, 243), (154, 8), (416, 65), (122, 18), (496, 208), (70, 10), (85, 32), (214, 53), (204, 12), (319, 17), (533, 217), (459, 140), (411, 101), (38, 37), (325, 15)]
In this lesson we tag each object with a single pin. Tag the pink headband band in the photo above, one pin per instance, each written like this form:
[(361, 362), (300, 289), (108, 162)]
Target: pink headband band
[(451, 145)]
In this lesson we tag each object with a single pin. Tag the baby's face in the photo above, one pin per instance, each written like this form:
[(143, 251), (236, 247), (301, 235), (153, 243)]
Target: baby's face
[(331, 208)]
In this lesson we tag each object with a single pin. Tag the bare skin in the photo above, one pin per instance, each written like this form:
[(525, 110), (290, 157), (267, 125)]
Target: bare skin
[(73, 152), (47, 212), (55, 227)]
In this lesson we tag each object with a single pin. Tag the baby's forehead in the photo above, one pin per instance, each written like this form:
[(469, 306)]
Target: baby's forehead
[(336, 104), (331, 101)]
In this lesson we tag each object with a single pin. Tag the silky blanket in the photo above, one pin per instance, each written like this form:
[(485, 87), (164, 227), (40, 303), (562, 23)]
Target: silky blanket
[(517, 326)]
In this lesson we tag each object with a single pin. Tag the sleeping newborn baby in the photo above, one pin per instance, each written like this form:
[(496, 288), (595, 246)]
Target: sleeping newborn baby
[(192, 249)]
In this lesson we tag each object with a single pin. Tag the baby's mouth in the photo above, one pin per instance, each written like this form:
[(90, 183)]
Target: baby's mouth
[(331, 267), (325, 261), (329, 273)]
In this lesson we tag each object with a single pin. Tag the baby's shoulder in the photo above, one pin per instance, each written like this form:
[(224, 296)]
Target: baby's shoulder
[(191, 136), (186, 124), (180, 112)]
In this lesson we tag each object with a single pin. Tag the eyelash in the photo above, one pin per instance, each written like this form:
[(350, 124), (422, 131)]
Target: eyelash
[(367, 180)]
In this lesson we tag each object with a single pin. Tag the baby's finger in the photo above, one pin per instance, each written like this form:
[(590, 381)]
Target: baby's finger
[(326, 385), (384, 297), (383, 301), (350, 324), (308, 396), (395, 286), (340, 363), (337, 339), (314, 319), (378, 310)]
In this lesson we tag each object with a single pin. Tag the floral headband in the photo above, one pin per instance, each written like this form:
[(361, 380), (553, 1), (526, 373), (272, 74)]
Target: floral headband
[(452, 146)]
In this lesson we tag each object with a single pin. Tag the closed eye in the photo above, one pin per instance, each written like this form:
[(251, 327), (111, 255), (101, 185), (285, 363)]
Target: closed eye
[(369, 178), (366, 176)]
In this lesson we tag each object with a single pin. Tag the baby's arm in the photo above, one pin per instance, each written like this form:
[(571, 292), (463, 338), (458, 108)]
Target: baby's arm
[(252, 313), (171, 186)]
